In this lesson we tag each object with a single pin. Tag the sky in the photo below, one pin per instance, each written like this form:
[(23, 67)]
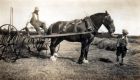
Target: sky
[(125, 13)]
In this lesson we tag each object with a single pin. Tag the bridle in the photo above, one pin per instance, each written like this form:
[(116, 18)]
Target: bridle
[(106, 18)]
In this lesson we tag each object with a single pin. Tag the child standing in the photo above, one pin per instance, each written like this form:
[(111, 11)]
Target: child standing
[(122, 46)]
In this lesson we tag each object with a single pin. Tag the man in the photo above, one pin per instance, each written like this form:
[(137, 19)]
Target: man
[(36, 23), (122, 46)]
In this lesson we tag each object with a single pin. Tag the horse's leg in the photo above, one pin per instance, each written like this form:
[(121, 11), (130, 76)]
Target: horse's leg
[(86, 54), (54, 43), (117, 58), (52, 46), (87, 49), (83, 48)]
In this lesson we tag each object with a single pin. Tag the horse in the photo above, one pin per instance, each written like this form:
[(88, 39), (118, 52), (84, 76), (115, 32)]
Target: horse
[(79, 26)]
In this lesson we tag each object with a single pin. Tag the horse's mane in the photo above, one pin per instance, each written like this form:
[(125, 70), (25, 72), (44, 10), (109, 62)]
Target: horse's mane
[(98, 14)]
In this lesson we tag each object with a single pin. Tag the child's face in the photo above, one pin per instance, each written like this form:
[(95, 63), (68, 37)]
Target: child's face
[(36, 11), (124, 33)]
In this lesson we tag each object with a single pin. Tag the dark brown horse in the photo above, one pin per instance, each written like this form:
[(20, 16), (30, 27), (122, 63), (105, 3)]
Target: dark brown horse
[(76, 26)]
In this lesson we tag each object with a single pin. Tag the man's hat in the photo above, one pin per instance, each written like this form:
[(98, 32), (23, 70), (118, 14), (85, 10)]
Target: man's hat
[(36, 9), (124, 31)]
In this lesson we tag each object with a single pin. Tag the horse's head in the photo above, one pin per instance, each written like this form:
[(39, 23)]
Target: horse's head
[(108, 23)]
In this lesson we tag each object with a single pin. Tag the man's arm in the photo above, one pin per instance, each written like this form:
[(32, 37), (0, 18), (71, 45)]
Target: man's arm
[(38, 17)]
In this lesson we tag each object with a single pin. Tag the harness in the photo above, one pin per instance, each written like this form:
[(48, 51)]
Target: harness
[(75, 22), (90, 25)]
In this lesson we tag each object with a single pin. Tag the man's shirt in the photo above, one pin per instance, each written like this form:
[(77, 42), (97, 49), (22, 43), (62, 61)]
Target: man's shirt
[(34, 18)]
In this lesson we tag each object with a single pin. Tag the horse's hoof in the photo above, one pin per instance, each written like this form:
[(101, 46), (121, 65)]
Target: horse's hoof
[(85, 61), (56, 55), (121, 64), (53, 58), (117, 60), (80, 62)]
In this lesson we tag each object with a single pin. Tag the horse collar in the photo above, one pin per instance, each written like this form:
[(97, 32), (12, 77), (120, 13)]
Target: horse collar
[(90, 24)]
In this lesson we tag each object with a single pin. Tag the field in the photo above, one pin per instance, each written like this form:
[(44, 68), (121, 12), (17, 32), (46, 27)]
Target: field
[(102, 64)]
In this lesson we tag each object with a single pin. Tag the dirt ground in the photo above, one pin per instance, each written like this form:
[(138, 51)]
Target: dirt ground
[(66, 68)]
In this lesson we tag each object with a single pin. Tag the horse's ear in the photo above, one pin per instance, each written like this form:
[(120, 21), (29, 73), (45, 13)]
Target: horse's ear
[(106, 12)]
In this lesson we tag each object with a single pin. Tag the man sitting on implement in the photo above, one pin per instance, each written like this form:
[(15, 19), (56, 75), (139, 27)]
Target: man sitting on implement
[(36, 23)]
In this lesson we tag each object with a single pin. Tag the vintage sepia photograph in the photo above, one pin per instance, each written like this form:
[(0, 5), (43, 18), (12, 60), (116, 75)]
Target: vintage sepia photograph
[(69, 40)]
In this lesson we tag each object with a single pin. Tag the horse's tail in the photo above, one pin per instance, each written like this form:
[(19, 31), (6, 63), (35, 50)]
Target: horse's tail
[(49, 31)]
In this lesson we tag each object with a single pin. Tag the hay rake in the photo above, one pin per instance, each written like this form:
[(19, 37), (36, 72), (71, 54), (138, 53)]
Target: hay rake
[(14, 42)]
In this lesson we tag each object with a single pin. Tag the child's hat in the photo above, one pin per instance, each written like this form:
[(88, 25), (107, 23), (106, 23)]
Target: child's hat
[(124, 31), (36, 9)]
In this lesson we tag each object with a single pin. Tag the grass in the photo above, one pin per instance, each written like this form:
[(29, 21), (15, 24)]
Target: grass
[(102, 64)]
